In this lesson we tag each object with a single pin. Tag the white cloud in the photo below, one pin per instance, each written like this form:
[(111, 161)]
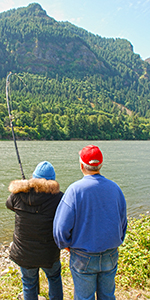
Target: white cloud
[(130, 4), (6, 5), (55, 10), (76, 21)]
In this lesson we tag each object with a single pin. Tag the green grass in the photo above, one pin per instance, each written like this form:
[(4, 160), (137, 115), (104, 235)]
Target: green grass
[(10, 285), (134, 255), (133, 266)]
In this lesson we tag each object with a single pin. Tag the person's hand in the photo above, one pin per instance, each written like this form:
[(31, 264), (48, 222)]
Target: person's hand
[(68, 249)]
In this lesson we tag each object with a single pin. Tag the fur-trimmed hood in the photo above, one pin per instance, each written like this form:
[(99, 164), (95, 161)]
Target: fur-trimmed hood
[(39, 186)]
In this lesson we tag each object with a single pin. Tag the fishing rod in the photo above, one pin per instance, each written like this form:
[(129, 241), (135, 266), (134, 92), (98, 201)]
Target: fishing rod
[(11, 125)]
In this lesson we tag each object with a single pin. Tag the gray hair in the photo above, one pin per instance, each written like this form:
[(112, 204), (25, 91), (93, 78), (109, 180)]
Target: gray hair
[(90, 168)]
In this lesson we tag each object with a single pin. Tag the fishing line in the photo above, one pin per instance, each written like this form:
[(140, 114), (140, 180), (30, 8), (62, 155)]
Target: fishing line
[(20, 79), (11, 123)]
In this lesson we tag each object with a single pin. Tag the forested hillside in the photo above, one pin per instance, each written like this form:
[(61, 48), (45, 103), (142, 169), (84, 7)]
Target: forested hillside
[(70, 83)]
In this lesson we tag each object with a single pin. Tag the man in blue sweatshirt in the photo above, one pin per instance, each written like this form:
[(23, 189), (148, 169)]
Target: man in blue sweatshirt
[(91, 221)]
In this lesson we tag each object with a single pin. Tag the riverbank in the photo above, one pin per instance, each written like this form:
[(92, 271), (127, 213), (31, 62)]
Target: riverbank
[(8, 268), (10, 277)]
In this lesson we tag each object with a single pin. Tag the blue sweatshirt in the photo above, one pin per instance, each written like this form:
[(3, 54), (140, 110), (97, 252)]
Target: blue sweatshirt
[(91, 216)]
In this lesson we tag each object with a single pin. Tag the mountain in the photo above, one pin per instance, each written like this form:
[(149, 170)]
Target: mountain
[(31, 41), (73, 78)]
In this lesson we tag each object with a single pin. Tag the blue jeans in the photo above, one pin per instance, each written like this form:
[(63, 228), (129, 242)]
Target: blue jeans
[(30, 280), (94, 273)]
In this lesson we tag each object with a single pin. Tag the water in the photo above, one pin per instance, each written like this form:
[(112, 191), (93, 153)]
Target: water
[(125, 162)]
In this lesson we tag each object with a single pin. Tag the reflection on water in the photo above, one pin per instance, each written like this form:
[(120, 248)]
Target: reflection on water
[(125, 162)]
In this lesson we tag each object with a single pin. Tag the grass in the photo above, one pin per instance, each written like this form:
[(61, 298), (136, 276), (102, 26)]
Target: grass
[(134, 255), (10, 285), (132, 279)]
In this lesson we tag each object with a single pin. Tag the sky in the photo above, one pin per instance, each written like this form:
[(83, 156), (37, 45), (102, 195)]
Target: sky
[(128, 19)]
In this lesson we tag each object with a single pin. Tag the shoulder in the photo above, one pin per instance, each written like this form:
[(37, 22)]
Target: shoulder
[(75, 186), (110, 182)]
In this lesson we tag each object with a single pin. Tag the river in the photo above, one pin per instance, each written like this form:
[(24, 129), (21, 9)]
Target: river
[(125, 162)]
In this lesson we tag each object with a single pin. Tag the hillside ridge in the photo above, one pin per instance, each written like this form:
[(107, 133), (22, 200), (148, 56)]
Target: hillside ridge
[(31, 41), (78, 85)]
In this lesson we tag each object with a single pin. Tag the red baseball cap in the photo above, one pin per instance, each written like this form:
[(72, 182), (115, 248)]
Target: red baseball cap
[(91, 155)]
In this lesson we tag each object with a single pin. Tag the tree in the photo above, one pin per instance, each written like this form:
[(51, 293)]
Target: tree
[(135, 128), (2, 131)]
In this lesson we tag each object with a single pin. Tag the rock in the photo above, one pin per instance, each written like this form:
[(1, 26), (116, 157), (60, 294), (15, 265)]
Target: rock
[(20, 296), (4, 272), (5, 262)]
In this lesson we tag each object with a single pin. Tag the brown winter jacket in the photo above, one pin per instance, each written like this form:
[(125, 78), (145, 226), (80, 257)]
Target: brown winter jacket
[(34, 202)]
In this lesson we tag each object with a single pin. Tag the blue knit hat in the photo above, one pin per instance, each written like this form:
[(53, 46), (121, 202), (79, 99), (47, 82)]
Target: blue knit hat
[(44, 170)]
